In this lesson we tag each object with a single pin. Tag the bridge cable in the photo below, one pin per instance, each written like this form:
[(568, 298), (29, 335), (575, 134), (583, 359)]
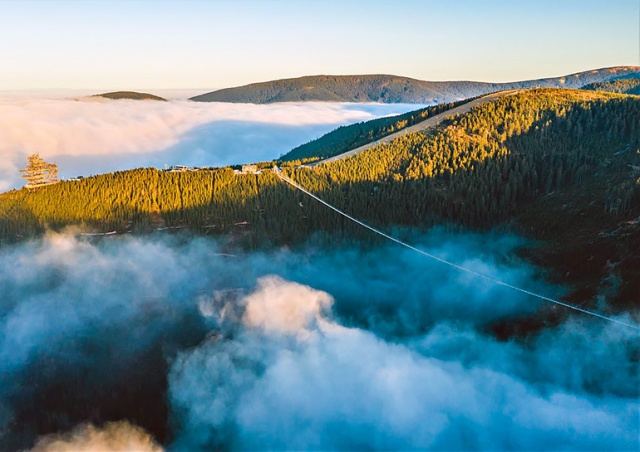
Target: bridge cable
[(451, 264)]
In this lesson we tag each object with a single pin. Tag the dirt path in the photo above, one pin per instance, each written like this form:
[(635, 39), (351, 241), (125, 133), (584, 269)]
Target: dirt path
[(430, 122)]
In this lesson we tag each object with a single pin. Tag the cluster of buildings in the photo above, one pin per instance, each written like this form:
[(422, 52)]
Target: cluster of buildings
[(245, 169), (184, 169), (248, 169)]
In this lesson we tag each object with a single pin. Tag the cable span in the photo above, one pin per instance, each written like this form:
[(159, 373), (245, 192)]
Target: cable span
[(451, 264)]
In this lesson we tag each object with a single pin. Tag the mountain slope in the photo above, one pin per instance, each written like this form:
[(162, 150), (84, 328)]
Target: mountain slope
[(558, 166), (620, 86), (352, 136), (391, 88), (430, 122)]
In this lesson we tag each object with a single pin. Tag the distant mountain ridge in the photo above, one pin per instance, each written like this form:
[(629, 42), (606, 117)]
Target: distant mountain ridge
[(620, 86), (393, 89), (130, 95)]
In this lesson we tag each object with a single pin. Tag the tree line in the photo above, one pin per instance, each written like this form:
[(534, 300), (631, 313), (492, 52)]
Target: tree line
[(474, 170)]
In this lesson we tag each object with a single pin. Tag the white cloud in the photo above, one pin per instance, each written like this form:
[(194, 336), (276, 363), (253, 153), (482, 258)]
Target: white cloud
[(91, 136), (344, 388), (361, 351), (270, 307), (114, 436)]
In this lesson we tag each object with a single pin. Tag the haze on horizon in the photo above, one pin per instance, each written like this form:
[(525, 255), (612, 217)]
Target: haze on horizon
[(216, 44)]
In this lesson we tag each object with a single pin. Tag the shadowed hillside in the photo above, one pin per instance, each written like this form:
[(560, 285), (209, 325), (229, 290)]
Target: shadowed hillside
[(391, 88), (352, 136), (620, 86)]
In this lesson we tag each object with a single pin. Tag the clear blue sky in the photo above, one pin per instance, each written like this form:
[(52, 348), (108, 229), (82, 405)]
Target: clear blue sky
[(212, 44)]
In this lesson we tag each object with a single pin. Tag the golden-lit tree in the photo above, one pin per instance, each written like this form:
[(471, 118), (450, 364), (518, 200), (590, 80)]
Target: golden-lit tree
[(39, 173)]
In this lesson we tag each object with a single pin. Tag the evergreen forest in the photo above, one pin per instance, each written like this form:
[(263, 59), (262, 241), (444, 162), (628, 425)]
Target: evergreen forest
[(559, 166), (620, 86), (349, 137)]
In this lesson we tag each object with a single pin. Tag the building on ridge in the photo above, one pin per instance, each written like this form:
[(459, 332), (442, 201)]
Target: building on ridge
[(249, 169)]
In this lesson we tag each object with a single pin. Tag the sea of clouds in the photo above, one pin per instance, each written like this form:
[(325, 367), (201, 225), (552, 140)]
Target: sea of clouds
[(190, 344), (176, 342), (87, 136)]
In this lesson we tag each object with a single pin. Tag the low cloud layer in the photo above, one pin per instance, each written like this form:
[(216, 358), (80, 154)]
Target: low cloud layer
[(206, 346), (300, 380), (92, 136)]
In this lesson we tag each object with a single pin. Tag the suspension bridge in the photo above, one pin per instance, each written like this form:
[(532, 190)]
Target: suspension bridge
[(453, 265)]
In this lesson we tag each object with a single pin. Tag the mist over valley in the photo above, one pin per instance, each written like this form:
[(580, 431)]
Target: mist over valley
[(225, 309), (228, 226), (200, 344)]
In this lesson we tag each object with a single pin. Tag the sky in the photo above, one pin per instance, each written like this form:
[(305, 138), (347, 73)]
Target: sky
[(192, 45)]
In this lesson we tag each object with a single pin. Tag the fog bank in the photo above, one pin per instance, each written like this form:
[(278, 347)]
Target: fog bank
[(296, 378), (204, 346), (88, 136)]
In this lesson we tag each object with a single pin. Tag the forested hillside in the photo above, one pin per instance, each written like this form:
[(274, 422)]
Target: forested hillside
[(392, 88), (560, 166), (130, 95), (352, 136), (621, 86)]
